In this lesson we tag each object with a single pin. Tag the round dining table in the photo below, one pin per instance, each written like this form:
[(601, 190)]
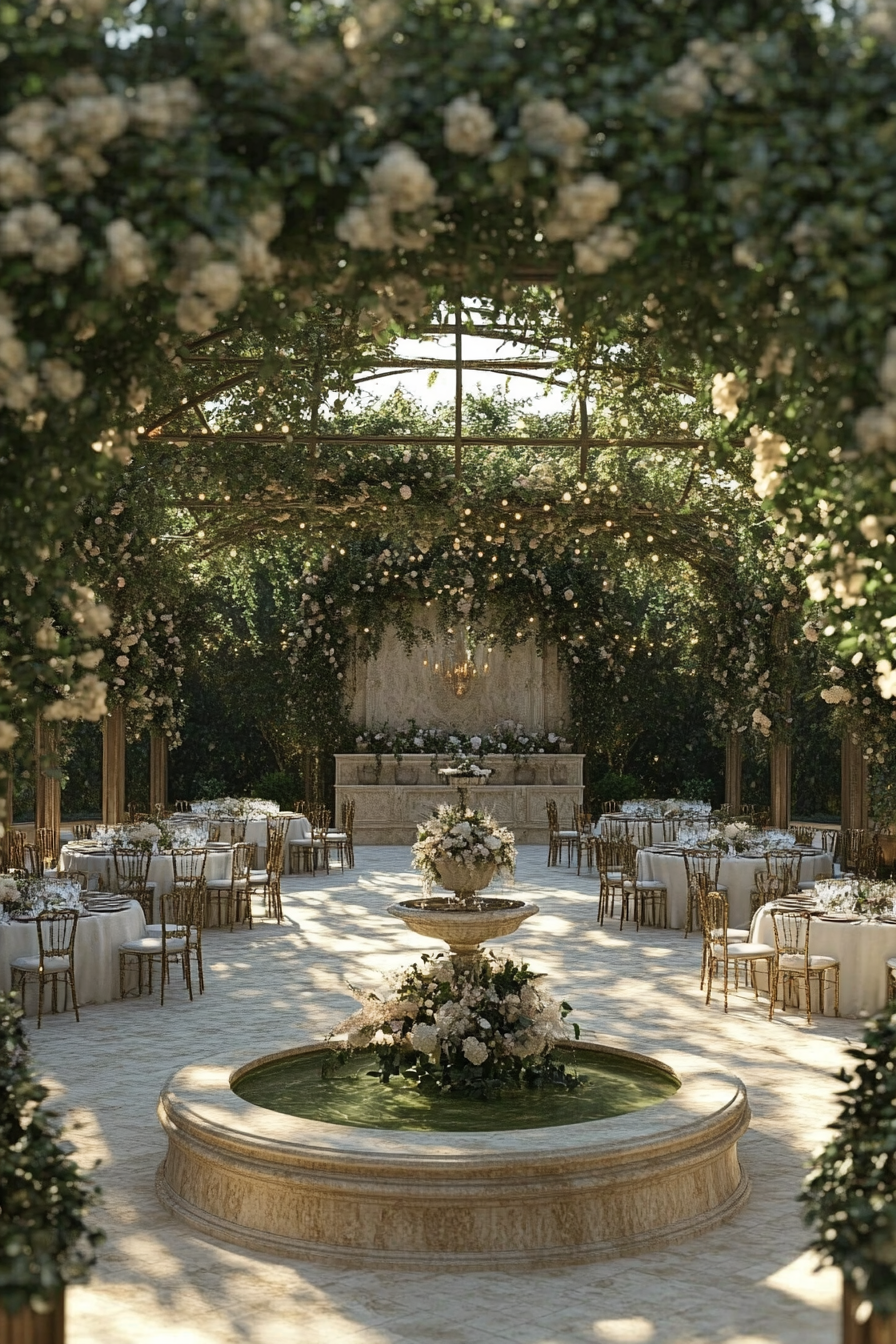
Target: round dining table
[(737, 873), (620, 823), (97, 940), (97, 862), (862, 949), (299, 828)]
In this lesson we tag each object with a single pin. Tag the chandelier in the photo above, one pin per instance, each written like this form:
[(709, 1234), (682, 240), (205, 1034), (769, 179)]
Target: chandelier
[(458, 660)]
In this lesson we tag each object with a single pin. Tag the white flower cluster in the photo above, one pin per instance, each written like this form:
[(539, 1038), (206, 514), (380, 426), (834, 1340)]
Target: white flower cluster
[(451, 1013), (580, 206), (400, 182), (876, 425), (684, 88), (466, 836), (728, 391), (209, 286), (770, 452), (606, 244), (549, 128), (469, 127)]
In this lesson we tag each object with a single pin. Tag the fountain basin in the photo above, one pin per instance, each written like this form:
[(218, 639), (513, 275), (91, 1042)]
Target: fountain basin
[(463, 928), (464, 1201)]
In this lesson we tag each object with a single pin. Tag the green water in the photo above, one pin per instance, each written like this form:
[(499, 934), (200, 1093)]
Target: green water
[(609, 1086)]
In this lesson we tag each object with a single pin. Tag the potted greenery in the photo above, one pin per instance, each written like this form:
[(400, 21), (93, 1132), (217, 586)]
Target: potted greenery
[(851, 1192), (45, 1241)]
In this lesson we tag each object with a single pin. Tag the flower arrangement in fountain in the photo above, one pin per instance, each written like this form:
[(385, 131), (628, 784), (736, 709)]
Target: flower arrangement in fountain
[(454, 1025), (466, 836)]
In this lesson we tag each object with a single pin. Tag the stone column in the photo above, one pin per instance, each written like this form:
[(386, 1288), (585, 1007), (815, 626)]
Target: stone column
[(158, 770), (113, 766), (734, 760), (853, 783), (47, 787)]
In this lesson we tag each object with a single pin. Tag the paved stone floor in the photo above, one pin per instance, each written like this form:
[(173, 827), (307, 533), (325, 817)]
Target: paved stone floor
[(748, 1282)]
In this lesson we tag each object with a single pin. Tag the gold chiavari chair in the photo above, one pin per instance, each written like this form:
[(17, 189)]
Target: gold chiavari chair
[(15, 850), (338, 841), (227, 893), (585, 838), (647, 897), (561, 836), (670, 828), (182, 805), (860, 852), (803, 835), (794, 962), (165, 943), (46, 842), (765, 889), (785, 865), (348, 825), (132, 878), (299, 806), (55, 959), (611, 861), (829, 839), (82, 830), (33, 864), (610, 805), (320, 821), (701, 868), (238, 831), (721, 950), (891, 979), (267, 879), (553, 832)]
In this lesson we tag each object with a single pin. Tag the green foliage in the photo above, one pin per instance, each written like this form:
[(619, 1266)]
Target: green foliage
[(281, 786), (850, 1195), (45, 1240)]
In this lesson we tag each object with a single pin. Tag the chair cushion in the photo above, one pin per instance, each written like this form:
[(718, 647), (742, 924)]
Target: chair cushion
[(33, 963), (796, 961), (335, 837), (743, 950), (225, 884), (616, 878), (152, 944), (567, 835), (258, 876), (645, 884), (305, 842)]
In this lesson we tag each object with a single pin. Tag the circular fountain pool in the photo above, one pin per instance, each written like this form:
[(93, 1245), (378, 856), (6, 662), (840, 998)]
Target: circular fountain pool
[(609, 1085), (349, 1193)]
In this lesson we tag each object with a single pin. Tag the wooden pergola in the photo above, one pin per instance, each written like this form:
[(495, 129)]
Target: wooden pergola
[(187, 423)]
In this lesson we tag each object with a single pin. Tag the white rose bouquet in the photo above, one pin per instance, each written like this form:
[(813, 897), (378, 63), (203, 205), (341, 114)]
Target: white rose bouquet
[(467, 836), (453, 1026)]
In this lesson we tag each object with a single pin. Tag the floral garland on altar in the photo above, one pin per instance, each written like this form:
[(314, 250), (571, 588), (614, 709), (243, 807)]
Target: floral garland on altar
[(455, 1026)]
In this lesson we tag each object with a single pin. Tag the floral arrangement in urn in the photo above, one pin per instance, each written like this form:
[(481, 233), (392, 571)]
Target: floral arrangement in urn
[(452, 1025), (469, 840)]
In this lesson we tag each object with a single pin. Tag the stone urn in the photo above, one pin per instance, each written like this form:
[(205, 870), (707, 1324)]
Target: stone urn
[(462, 880)]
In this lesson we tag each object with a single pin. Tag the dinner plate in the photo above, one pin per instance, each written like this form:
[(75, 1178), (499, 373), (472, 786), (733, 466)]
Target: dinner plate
[(840, 919)]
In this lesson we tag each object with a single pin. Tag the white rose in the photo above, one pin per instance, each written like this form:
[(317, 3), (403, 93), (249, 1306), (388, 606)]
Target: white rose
[(474, 1050), (469, 127)]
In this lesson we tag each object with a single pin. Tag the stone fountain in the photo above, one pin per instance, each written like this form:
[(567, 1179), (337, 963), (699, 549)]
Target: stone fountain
[(465, 920)]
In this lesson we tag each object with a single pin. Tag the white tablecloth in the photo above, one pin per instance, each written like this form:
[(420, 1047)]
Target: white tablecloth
[(737, 873), (861, 949), (161, 870), (299, 828), (614, 823), (96, 954)]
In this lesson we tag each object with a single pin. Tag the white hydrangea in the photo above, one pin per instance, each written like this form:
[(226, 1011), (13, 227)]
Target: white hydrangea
[(30, 128), (315, 65), (165, 108), (762, 722), (93, 120), (836, 695), (130, 259), (603, 246), (728, 391), (770, 452), (876, 428), (58, 252), (86, 700), (368, 226), (550, 128), (19, 177), (425, 1038), (475, 1050), (8, 735), (683, 89), (469, 127), (402, 178), (810, 632), (885, 681), (62, 381), (580, 205)]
